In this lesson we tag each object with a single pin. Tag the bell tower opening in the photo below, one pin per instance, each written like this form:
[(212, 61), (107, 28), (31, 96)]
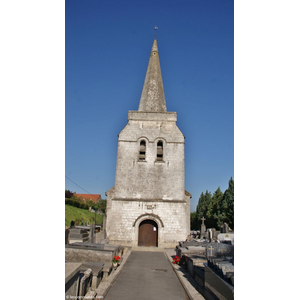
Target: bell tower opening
[(142, 155), (160, 153)]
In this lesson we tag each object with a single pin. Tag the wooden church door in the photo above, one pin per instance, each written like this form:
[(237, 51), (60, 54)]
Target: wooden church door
[(148, 234)]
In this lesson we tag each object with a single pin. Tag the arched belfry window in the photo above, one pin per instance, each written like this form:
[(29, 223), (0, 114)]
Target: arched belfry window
[(142, 155), (159, 153)]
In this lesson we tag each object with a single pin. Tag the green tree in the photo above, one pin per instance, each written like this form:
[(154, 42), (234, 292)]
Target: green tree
[(227, 205), (200, 211), (68, 194), (205, 209), (216, 207), (90, 203), (194, 221), (102, 205)]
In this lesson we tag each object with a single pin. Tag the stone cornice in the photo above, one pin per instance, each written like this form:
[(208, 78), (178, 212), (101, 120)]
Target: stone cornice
[(150, 200), (134, 141), (152, 116)]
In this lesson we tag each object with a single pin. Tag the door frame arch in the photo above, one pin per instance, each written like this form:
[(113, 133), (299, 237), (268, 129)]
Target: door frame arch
[(151, 217)]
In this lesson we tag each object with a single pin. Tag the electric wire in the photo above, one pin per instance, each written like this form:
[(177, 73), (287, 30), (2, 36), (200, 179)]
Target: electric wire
[(78, 185)]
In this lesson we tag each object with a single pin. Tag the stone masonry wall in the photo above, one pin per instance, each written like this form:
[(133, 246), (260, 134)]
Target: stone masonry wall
[(150, 179), (149, 189), (171, 218)]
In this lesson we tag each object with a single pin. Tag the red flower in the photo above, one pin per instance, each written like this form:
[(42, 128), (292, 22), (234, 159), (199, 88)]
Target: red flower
[(176, 260), (116, 258)]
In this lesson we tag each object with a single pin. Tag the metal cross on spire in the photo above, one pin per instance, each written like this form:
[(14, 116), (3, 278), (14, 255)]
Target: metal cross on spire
[(155, 28)]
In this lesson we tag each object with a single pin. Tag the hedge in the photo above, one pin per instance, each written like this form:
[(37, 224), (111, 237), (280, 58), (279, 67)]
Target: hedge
[(77, 204)]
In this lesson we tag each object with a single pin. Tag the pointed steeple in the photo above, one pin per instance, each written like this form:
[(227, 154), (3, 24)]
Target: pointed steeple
[(153, 97)]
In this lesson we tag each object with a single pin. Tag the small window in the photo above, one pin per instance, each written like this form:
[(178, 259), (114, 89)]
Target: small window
[(159, 155), (142, 155)]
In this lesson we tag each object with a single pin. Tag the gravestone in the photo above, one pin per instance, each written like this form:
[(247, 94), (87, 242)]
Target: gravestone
[(78, 235), (210, 234), (219, 249), (215, 234), (85, 283), (67, 233), (224, 228), (203, 228), (92, 235), (226, 237)]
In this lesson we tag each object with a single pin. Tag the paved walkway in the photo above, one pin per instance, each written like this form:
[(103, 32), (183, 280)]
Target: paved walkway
[(147, 276)]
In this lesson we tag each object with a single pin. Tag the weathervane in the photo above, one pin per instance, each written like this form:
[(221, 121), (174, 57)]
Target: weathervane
[(155, 28)]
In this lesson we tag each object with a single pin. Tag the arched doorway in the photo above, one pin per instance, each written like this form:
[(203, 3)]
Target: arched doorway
[(148, 233)]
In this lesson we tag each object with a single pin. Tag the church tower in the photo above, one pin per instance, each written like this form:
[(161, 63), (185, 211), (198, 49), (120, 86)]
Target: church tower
[(148, 206)]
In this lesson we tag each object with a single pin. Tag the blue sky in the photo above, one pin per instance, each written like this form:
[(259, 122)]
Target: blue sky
[(104, 59), (107, 45)]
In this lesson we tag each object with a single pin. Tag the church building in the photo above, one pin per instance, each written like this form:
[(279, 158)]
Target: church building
[(148, 205)]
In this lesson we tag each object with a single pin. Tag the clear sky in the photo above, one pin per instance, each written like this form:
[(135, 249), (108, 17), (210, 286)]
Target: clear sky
[(107, 48), (104, 58)]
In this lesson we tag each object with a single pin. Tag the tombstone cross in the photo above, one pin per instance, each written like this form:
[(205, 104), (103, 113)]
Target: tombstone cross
[(211, 249), (203, 219)]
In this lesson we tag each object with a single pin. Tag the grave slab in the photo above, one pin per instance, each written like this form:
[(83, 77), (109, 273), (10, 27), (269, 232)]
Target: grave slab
[(194, 260), (217, 286), (91, 252), (215, 249), (97, 269), (72, 278)]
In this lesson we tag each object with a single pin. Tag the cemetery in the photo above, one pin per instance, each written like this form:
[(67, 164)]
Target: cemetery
[(206, 260), (88, 261), (209, 260)]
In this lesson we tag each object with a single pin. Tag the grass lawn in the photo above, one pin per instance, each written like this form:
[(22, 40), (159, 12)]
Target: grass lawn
[(72, 213)]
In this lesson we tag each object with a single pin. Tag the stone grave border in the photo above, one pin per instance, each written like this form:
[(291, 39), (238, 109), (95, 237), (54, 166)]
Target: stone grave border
[(106, 284), (187, 281)]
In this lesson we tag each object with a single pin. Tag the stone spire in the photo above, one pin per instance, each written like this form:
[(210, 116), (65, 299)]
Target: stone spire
[(153, 97)]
